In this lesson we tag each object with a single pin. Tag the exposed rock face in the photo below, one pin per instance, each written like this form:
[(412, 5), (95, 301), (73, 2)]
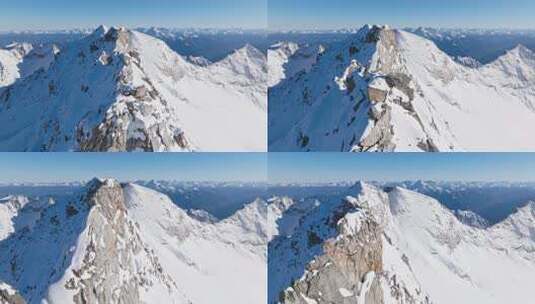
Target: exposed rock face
[(393, 86), (345, 273), (121, 130), (370, 76), (388, 58), (111, 248), (376, 95), (348, 265), (127, 91), (10, 296), (116, 243), (397, 246), (380, 136), (106, 230), (334, 102), (350, 268), (124, 126)]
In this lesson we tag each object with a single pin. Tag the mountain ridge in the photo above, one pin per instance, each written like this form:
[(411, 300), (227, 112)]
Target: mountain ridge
[(411, 242), (395, 91), (132, 92), (120, 243)]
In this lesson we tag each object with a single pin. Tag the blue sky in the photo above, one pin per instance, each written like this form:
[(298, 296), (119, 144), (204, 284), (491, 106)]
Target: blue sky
[(279, 167), (332, 14), (329, 167), (65, 14), (59, 167)]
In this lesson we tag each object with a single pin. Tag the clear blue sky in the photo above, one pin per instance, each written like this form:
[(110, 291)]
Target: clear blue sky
[(328, 167), (65, 14), (332, 14), (59, 167), (280, 167)]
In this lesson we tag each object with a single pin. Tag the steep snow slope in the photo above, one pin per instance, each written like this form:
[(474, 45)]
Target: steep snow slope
[(286, 59), (278, 56), (389, 90), (8, 67), (19, 60), (400, 247), (25, 211), (245, 71), (127, 91), (471, 218), (202, 257), (118, 243)]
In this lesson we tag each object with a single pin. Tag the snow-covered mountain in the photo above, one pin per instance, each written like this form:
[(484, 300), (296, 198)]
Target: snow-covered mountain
[(218, 200), (471, 218), (384, 89), (372, 246), (123, 243), (303, 57), (121, 90), (19, 60), (199, 60), (483, 45), (493, 201)]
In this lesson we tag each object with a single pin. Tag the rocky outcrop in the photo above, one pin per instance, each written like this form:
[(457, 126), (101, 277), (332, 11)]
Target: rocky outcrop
[(9, 296), (376, 95), (380, 136), (125, 126), (345, 273), (349, 269), (388, 59), (377, 90), (116, 264), (127, 91), (121, 130)]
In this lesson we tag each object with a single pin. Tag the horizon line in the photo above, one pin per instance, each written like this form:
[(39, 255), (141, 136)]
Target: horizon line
[(263, 29), (345, 28), (93, 27), (349, 181)]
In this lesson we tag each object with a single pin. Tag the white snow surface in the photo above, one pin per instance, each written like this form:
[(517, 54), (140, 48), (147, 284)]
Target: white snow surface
[(287, 59), (173, 257), (451, 107), (428, 252), (223, 262), (20, 60), (130, 89), (471, 218), (21, 209)]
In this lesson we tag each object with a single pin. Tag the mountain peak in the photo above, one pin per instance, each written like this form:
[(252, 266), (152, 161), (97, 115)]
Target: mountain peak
[(372, 33), (98, 182), (471, 218), (527, 211), (116, 34), (520, 48), (248, 51), (249, 215), (101, 30), (520, 52), (358, 187), (106, 193)]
